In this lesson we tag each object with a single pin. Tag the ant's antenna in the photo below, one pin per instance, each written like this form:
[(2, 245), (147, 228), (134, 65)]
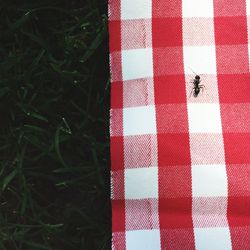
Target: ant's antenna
[(192, 70)]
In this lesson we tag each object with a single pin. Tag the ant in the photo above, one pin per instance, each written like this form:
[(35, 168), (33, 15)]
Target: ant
[(197, 86)]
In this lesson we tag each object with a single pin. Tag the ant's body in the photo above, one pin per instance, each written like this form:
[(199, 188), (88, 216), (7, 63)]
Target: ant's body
[(197, 86)]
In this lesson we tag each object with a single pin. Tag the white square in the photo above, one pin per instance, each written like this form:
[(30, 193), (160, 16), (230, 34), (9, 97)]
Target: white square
[(204, 118), (209, 181), (136, 9), (197, 8), (248, 7), (248, 25), (139, 120), (201, 59), (137, 63), (143, 240), (215, 238), (141, 183)]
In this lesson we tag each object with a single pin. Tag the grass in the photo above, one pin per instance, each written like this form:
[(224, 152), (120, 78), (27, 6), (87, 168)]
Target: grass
[(54, 141)]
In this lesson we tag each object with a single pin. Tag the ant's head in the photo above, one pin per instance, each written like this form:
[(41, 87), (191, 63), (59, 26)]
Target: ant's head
[(197, 77)]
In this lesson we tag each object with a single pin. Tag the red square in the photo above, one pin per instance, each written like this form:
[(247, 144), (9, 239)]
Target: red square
[(170, 8), (234, 88), (175, 181), (178, 238), (238, 211), (172, 118), (117, 153), (116, 95), (235, 117), (240, 237), (175, 213), (118, 215), (167, 32), (173, 149), (230, 30), (170, 89), (115, 36), (237, 148), (168, 61), (231, 8), (238, 180), (232, 59)]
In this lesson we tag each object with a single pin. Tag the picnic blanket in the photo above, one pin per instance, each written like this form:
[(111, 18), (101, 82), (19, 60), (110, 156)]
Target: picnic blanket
[(180, 124)]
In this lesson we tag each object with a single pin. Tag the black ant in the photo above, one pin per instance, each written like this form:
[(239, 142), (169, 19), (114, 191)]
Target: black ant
[(197, 86)]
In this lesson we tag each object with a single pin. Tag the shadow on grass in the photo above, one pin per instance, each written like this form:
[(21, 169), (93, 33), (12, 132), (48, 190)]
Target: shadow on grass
[(54, 141)]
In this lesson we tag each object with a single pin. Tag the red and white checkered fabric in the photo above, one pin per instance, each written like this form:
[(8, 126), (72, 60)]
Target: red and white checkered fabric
[(180, 163)]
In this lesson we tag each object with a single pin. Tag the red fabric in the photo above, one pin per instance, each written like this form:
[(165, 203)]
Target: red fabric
[(180, 163)]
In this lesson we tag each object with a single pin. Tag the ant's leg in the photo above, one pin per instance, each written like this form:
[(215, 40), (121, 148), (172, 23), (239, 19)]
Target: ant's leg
[(191, 92), (202, 87)]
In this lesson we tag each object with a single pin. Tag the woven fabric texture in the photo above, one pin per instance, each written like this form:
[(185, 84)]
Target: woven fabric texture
[(180, 124)]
